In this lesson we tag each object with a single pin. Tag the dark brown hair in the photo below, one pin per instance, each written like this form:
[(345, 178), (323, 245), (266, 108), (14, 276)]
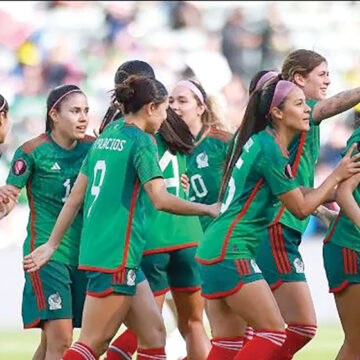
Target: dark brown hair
[(136, 91), (176, 134), (255, 120), (55, 98), (4, 106), (132, 67), (301, 62)]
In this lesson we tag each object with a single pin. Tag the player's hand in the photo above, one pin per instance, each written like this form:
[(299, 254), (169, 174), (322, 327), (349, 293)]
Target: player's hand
[(214, 209), (184, 182), (38, 258), (8, 193), (325, 215), (348, 166)]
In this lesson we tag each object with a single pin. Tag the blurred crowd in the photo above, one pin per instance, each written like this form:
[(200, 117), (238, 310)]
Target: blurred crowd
[(222, 44)]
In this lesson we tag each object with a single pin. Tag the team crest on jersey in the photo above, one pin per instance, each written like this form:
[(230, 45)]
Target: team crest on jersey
[(19, 167), (130, 278), (54, 301), (255, 266), (288, 172), (299, 266), (202, 160)]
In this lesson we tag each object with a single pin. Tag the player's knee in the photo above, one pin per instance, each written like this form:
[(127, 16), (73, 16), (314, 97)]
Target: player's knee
[(155, 338), (190, 324), (60, 343)]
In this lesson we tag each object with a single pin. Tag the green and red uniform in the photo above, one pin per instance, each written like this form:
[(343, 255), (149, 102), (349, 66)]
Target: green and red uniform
[(282, 237), (171, 240), (205, 167), (49, 172), (342, 243), (122, 159), (261, 173)]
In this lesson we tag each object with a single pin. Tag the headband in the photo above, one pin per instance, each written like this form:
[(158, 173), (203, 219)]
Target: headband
[(3, 105), (282, 90), (267, 76), (188, 84), (62, 96)]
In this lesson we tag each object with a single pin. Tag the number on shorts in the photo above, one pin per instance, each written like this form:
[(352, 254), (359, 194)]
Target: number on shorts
[(100, 166)]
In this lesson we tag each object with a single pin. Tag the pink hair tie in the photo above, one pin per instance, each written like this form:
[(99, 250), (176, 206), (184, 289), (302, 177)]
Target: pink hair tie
[(62, 96), (282, 90), (265, 78), (3, 105), (188, 84)]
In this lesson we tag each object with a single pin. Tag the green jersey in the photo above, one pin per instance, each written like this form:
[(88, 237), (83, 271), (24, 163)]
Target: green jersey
[(164, 231), (342, 231), (304, 153), (49, 171), (205, 167), (261, 173), (122, 159)]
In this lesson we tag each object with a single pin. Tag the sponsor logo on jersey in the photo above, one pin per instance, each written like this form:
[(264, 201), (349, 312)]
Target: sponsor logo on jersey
[(54, 301), (130, 278), (299, 266), (255, 266), (19, 167), (288, 172), (202, 160), (56, 166)]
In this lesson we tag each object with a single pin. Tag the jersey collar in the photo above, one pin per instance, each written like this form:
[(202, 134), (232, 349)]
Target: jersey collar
[(272, 133)]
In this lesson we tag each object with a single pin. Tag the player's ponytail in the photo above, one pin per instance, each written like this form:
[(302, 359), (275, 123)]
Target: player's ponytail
[(257, 116), (176, 134), (55, 99)]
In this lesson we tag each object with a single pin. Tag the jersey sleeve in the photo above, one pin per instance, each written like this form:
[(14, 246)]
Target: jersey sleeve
[(146, 159), (276, 170), (21, 168)]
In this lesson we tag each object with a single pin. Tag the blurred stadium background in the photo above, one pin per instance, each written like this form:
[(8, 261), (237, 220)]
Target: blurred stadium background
[(222, 43)]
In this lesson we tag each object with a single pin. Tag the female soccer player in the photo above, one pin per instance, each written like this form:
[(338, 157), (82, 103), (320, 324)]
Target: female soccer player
[(205, 165), (111, 253), (4, 119), (48, 165), (279, 257), (169, 257), (257, 173), (341, 252)]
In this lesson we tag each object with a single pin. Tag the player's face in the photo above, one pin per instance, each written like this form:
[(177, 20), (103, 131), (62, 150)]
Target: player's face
[(73, 117), (4, 125), (157, 117), (295, 111), (183, 102), (317, 82)]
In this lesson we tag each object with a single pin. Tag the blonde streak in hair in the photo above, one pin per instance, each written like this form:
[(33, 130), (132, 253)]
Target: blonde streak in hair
[(215, 113)]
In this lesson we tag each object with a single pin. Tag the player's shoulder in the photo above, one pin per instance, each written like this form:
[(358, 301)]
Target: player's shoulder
[(29, 146), (270, 146), (219, 134)]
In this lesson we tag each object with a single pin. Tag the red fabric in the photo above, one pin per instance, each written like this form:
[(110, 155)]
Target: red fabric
[(156, 354), (293, 343), (126, 343), (259, 349), (225, 348), (79, 351)]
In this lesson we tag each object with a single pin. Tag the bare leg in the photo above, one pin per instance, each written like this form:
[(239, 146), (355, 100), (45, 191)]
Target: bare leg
[(190, 308), (58, 335), (347, 302), (40, 352)]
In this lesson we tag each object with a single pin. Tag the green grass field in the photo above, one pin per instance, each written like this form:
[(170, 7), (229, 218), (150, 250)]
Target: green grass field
[(20, 345)]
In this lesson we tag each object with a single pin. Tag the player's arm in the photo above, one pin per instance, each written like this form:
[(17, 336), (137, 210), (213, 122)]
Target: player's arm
[(8, 199), (345, 198), (163, 200), (336, 104), (41, 255), (302, 203)]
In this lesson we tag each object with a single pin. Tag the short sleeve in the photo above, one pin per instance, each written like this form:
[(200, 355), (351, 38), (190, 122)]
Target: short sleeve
[(276, 170), (21, 168), (146, 159)]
